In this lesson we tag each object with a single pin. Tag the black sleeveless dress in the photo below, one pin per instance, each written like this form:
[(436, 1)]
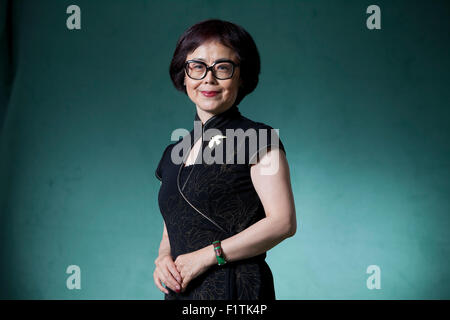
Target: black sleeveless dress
[(209, 201)]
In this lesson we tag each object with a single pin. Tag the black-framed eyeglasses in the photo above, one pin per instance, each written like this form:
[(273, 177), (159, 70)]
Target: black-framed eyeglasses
[(221, 69)]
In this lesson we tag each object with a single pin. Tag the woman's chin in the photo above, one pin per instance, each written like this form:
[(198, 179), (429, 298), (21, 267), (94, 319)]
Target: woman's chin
[(210, 107)]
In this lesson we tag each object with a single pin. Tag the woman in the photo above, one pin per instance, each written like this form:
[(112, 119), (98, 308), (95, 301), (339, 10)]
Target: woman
[(220, 217)]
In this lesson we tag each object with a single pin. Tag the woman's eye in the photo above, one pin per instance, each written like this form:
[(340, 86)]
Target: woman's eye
[(223, 67)]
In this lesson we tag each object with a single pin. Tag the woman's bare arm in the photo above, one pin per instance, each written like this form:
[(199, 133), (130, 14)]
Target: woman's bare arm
[(273, 185), (280, 222), (164, 247), (165, 270)]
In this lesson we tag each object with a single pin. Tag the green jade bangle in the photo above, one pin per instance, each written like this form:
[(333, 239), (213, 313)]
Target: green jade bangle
[(219, 253)]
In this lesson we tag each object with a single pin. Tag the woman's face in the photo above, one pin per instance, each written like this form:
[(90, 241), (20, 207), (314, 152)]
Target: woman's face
[(226, 90)]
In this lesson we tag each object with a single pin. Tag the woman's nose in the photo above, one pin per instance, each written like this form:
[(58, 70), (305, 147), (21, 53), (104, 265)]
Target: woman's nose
[(209, 78)]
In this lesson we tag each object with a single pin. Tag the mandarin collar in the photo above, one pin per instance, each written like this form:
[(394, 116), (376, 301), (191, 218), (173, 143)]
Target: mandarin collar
[(219, 120)]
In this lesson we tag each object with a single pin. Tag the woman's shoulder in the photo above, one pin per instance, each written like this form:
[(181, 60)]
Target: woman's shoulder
[(264, 137), (163, 162), (187, 138), (168, 148), (260, 129), (248, 123)]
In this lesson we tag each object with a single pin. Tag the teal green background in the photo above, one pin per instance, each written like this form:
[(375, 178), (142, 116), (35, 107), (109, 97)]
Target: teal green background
[(363, 114)]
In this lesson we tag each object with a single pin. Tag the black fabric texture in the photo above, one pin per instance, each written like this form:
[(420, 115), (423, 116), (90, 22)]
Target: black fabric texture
[(202, 202)]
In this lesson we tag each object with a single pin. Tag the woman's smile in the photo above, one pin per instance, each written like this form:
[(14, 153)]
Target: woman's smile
[(210, 94)]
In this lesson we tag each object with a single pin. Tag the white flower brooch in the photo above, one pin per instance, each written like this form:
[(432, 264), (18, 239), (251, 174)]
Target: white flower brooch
[(216, 140)]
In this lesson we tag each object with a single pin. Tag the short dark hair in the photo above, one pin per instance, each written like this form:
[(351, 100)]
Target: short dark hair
[(228, 34)]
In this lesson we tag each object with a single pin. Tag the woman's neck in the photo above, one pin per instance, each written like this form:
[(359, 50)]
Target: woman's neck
[(205, 115)]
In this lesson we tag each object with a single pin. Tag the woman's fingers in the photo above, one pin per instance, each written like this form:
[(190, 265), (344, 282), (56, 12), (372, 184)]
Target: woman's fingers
[(173, 270), (167, 282), (165, 276), (166, 271), (186, 281), (170, 281), (158, 283)]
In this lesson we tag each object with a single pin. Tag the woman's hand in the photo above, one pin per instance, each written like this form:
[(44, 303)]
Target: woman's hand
[(193, 264), (166, 272)]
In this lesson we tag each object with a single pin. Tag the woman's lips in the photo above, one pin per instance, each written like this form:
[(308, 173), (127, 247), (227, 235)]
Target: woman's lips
[(210, 93)]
